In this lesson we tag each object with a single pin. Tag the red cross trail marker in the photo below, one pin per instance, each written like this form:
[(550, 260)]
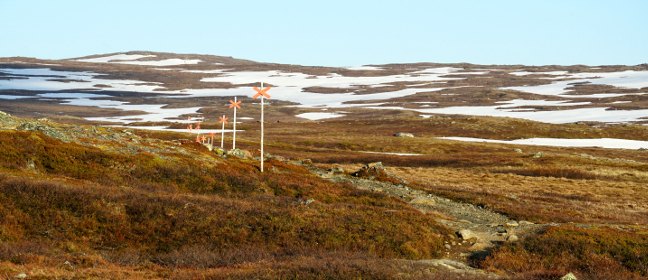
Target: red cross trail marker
[(234, 104), (223, 120), (263, 93)]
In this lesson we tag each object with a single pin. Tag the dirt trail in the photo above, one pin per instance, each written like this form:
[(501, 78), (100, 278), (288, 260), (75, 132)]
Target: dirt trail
[(481, 228)]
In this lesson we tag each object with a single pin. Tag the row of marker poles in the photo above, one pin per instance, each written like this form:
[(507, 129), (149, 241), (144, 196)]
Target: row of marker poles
[(235, 104)]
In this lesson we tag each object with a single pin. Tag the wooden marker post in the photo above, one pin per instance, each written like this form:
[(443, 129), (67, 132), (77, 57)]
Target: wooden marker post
[(234, 104), (223, 121), (263, 93)]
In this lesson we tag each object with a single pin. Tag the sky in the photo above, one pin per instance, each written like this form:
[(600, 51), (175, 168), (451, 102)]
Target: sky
[(335, 32)]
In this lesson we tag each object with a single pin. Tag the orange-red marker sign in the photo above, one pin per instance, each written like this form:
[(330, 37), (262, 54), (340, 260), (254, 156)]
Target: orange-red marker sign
[(262, 92), (236, 104), (223, 119)]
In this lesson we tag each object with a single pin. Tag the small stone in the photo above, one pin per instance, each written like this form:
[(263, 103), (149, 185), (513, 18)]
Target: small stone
[(243, 154), (538, 155), (219, 151), (525, 223), (21, 275), (478, 246), (500, 229), (447, 246), (308, 201), (512, 238), (370, 170), (512, 224), (336, 170), (466, 234), (519, 151), (569, 276), (404, 134), (423, 201)]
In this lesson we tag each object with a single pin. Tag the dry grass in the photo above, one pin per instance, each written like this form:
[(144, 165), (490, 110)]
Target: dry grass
[(191, 210), (593, 253), (184, 213)]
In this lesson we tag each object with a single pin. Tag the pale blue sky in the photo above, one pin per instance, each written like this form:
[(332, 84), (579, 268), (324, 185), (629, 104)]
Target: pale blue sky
[(333, 32)]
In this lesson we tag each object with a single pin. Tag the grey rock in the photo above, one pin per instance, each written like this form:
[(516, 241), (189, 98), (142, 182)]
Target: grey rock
[(423, 201), (45, 129), (21, 275), (512, 224), (466, 234), (370, 170), (31, 165), (525, 223), (500, 229), (404, 134), (219, 151), (243, 154), (512, 238), (519, 151), (336, 170), (569, 276), (538, 155)]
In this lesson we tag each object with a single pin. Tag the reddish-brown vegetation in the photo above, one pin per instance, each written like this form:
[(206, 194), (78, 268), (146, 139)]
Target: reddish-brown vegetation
[(64, 201), (591, 253)]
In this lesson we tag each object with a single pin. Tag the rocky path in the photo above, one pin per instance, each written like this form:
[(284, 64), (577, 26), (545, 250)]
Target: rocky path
[(476, 229)]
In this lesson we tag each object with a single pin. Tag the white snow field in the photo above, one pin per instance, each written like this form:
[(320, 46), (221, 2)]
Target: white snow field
[(319, 116), (113, 58), (625, 79), (608, 143), (295, 87), (134, 59)]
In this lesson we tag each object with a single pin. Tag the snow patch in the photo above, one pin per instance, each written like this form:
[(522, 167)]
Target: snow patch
[(117, 57), (608, 143), (319, 116)]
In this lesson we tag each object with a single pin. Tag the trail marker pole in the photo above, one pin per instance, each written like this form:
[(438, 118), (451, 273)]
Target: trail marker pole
[(223, 120), (211, 141), (263, 93), (234, 104)]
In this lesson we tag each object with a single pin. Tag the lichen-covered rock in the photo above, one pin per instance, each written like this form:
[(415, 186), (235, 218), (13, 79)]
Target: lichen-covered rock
[(45, 129), (404, 134), (243, 154), (373, 169)]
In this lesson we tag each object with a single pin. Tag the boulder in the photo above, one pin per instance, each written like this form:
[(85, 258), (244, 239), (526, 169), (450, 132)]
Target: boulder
[(243, 154), (424, 201), (370, 170), (466, 234), (219, 151), (569, 276), (404, 134), (45, 129), (500, 229), (336, 170), (512, 224), (512, 238)]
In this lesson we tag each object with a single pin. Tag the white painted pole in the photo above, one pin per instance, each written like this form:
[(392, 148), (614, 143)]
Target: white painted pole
[(223, 134), (234, 132), (262, 129)]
